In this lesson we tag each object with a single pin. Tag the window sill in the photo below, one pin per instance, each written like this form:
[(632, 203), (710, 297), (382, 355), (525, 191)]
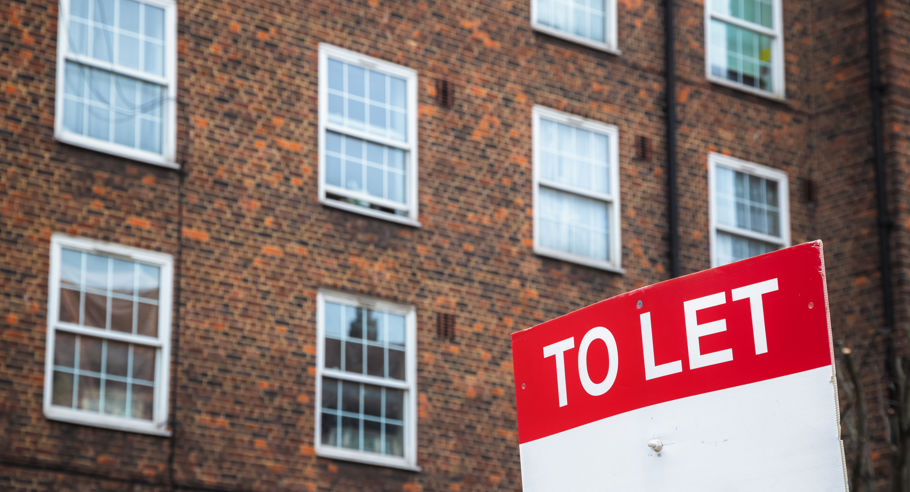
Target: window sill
[(114, 149), (358, 209), (105, 421), (606, 48), (757, 92), (580, 260), (366, 459)]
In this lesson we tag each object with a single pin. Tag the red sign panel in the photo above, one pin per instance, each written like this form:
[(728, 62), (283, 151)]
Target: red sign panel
[(737, 324)]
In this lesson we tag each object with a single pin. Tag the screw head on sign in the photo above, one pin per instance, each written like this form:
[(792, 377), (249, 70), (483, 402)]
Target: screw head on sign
[(638, 304), (656, 445)]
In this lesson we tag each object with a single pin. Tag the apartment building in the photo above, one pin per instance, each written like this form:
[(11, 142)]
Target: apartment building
[(281, 245)]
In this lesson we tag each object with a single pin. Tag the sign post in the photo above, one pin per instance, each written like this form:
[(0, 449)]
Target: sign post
[(717, 381)]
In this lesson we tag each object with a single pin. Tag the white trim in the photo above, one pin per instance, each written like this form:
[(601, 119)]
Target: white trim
[(751, 168), (168, 155), (613, 198), (159, 422), (777, 50), (409, 386), (327, 51), (609, 46)]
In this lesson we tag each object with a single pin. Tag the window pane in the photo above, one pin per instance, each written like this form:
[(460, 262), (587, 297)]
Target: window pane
[(353, 357), (79, 8), (332, 319), (396, 364), (356, 83), (732, 248), (115, 398), (129, 15), (377, 87), (154, 22), (375, 361), (741, 55), (372, 400), (96, 272), (95, 311), (350, 433), (147, 319), (63, 389), (395, 327), (332, 353), (573, 17), (64, 349), (103, 44), (90, 354), (394, 404), (353, 318), (350, 397), (150, 136), (103, 12), (69, 306), (141, 403), (148, 281), (78, 37), (122, 315), (329, 429), (117, 358), (143, 363), (330, 393), (128, 51), (574, 224), (123, 277), (372, 436), (89, 397), (394, 440)]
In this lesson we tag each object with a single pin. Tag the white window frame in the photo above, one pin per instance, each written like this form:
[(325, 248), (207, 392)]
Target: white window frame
[(608, 46), (753, 169), (409, 386), (158, 424), (777, 63), (167, 158), (327, 51), (613, 198)]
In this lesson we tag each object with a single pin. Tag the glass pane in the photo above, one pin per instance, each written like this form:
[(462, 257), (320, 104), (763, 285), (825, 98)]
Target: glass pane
[(333, 142), (377, 119), (377, 87), (114, 398), (394, 440), (117, 358), (124, 129), (129, 15), (96, 271), (148, 281), (154, 58), (396, 364), (332, 319), (350, 397), (73, 116), (353, 318), (79, 8), (89, 397), (121, 315), (95, 311), (123, 277), (89, 354), (373, 320), (374, 181), (330, 393), (64, 349), (375, 361), (395, 327), (69, 306), (356, 81), (147, 320), (98, 123), (394, 404), (372, 436), (103, 44), (154, 22), (63, 389), (356, 112), (141, 403), (398, 127), (78, 37), (103, 12), (150, 136), (329, 429), (353, 357), (372, 400), (151, 99), (333, 170), (350, 433), (336, 75), (128, 51), (143, 363), (397, 93), (336, 107), (332, 353)]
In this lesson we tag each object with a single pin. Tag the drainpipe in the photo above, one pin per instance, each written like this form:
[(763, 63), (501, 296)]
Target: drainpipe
[(885, 223), (672, 195)]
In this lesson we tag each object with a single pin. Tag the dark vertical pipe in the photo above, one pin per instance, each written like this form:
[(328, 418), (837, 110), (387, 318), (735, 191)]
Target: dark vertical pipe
[(884, 244), (672, 197)]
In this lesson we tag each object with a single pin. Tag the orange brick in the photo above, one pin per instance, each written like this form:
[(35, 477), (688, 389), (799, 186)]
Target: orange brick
[(195, 234), (139, 222)]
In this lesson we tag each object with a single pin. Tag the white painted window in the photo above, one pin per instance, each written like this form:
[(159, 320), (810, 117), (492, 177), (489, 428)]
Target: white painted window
[(366, 381), (745, 45), (108, 335), (576, 189), (749, 209), (117, 77), (589, 22), (367, 135)]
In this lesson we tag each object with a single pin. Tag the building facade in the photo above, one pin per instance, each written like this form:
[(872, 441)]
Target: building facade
[(282, 245)]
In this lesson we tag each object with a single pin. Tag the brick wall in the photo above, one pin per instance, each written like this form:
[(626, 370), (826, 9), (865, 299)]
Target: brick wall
[(254, 246)]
